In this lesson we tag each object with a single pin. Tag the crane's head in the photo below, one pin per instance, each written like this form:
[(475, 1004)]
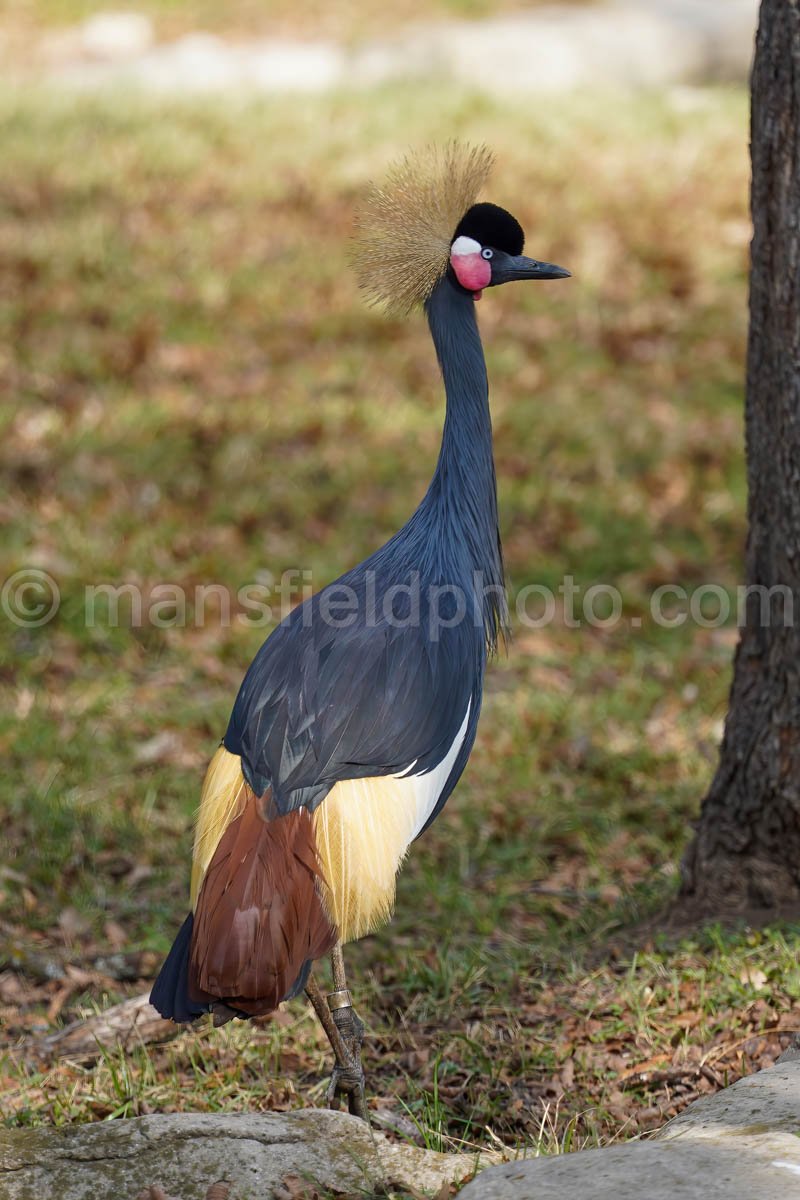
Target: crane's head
[(487, 250), (423, 226)]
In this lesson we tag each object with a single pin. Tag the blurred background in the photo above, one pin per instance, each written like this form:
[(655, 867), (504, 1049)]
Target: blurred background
[(195, 396)]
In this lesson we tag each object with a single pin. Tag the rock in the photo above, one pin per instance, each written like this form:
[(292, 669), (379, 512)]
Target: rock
[(649, 43), (740, 1144), (198, 62), (116, 35), (185, 1154), (622, 43), (765, 1168), (285, 66), (766, 1101), (723, 32), (202, 62), (791, 1051), (562, 49)]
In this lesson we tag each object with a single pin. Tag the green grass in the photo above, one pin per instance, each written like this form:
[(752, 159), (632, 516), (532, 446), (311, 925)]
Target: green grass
[(196, 395)]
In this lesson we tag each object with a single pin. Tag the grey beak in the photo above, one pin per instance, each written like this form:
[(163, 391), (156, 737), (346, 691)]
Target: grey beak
[(520, 267)]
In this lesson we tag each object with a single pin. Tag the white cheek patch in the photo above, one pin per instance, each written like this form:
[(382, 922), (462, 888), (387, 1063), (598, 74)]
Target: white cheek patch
[(465, 245)]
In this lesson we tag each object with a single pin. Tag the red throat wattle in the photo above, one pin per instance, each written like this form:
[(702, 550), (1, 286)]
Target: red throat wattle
[(472, 271)]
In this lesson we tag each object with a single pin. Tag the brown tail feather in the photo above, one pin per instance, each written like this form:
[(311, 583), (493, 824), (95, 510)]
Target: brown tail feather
[(259, 917)]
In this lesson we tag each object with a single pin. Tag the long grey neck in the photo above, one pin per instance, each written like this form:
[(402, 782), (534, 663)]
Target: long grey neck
[(462, 497)]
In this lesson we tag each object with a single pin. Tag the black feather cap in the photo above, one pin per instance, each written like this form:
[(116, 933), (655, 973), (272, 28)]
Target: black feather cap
[(492, 226)]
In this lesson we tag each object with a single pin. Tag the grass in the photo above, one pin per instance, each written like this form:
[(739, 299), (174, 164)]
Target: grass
[(195, 395)]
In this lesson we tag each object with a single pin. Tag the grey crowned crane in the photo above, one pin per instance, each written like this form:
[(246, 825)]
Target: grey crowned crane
[(357, 716)]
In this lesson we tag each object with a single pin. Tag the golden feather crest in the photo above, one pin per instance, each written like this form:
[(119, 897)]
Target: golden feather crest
[(405, 226)]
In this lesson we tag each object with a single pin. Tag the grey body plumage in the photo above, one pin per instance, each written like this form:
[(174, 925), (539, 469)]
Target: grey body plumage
[(388, 687)]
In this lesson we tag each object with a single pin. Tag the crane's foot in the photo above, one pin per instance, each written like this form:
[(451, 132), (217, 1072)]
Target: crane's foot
[(347, 1083), (347, 1079)]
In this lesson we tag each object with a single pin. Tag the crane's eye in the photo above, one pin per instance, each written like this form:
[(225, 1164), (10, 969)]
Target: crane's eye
[(487, 253)]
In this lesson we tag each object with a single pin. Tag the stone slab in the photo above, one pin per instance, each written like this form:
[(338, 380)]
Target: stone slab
[(184, 1154), (550, 48), (764, 1168), (766, 1101), (741, 1144)]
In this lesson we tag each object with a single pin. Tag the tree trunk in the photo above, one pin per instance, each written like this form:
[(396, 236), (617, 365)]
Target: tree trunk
[(746, 852)]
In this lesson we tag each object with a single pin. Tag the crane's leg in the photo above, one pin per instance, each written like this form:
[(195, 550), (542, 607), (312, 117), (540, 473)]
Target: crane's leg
[(347, 1019), (345, 1032)]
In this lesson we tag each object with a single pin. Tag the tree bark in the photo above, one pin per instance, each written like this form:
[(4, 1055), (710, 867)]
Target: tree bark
[(746, 852)]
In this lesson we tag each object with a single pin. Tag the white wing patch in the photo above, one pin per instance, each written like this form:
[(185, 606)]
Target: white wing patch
[(428, 788)]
